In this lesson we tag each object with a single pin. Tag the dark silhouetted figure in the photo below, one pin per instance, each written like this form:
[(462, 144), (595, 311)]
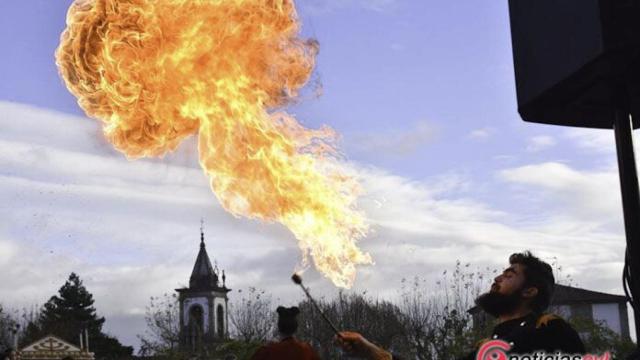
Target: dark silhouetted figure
[(9, 354), (288, 347)]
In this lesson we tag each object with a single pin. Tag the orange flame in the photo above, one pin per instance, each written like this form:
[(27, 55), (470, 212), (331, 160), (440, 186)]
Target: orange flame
[(157, 71)]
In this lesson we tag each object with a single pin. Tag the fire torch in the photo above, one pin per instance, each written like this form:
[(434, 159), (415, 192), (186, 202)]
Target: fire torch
[(297, 279)]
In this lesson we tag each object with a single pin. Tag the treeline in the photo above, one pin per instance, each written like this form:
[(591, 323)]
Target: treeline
[(425, 321), (64, 315)]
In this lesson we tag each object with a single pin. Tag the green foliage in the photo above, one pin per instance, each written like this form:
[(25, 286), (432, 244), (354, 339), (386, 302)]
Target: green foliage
[(598, 338), (220, 350), (65, 315), (242, 350)]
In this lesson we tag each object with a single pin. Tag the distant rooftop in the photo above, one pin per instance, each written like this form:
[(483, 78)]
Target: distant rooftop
[(567, 295), (564, 295)]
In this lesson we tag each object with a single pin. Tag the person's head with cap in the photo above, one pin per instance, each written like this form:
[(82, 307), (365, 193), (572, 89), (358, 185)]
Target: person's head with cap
[(287, 320)]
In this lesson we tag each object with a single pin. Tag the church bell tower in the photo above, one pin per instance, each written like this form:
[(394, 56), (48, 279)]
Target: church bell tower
[(203, 305)]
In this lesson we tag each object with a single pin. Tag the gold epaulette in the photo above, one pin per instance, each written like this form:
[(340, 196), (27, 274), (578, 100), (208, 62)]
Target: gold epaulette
[(481, 342), (544, 319)]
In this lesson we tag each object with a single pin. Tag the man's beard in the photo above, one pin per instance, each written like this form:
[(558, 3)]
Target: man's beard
[(496, 304)]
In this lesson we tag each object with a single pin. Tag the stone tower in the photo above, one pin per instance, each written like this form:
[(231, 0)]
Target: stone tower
[(203, 305)]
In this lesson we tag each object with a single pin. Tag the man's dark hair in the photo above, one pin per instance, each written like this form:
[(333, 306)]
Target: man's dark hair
[(538, 274), (287, 320)]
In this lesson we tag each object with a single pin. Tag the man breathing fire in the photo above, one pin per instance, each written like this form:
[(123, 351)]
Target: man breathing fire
[(517, 298)]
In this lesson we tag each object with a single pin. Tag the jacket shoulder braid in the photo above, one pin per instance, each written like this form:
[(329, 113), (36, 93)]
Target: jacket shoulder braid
[(544, 320)]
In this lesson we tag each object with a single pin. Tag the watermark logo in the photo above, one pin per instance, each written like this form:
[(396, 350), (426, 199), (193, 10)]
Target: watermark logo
[(493, 350), (497, 350)]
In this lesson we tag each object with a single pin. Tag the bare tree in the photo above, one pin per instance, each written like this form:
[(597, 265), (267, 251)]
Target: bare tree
[(435, 318), (162, 335), (418, 315), (15, 325), (253, 317), (7, 328), (376, 319), (429, 321), (559, 275)]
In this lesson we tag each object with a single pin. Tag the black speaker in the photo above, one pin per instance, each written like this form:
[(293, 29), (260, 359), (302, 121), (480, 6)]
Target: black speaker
[(576, 61)]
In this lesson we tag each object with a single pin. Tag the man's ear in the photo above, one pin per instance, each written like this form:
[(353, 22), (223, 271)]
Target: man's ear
[(530, 292)]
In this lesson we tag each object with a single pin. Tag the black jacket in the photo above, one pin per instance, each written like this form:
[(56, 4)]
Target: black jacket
[(536, 333)]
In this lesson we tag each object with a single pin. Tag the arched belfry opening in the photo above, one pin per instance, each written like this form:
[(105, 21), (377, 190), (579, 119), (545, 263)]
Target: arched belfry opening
[(195, 327), (196, 318), (220, 318), (204, 304)]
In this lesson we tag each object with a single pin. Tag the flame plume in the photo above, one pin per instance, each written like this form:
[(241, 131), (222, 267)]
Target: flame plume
[(157, 71)]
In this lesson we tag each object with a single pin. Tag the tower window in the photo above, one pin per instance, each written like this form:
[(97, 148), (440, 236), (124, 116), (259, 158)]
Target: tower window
[(196, 319), (220, 318)]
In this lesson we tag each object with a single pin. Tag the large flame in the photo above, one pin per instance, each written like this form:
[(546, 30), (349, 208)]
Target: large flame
[(156, 71)]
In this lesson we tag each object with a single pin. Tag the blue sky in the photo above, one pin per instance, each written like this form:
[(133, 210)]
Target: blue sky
[(384, 68), (394, 67), (423, 95)]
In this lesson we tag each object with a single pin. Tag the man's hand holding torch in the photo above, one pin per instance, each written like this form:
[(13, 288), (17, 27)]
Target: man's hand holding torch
[(355, 344)]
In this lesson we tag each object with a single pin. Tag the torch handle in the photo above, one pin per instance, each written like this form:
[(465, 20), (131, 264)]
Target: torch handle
[(326, 319)]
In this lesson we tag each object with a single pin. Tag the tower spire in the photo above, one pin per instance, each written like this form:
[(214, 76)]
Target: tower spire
[(203, 276)]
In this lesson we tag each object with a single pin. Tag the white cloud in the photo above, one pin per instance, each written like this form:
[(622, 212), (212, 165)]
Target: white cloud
[(540, 143), (592, 140), (324, 6), (130, 229), (480, 134), (591, 198), (400, 142), (504, 158), (7, 252), (600, 144)]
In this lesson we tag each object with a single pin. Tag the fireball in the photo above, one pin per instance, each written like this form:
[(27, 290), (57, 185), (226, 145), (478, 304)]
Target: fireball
[(155, 72)]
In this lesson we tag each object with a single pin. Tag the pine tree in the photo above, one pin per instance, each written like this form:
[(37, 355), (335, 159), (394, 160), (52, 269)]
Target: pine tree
[(70, 311), (67, 314)]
